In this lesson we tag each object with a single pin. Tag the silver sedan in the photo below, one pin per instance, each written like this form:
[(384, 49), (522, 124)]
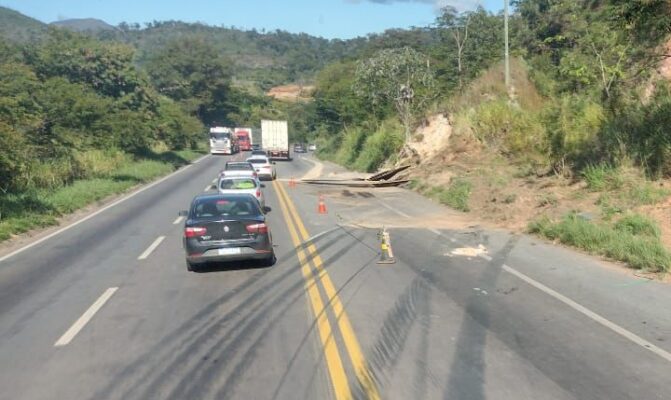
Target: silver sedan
[(263, 166)]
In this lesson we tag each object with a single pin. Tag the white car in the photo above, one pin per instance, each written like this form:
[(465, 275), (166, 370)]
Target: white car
[(263, 166), (239, 168), (241, 184), (312, 147)]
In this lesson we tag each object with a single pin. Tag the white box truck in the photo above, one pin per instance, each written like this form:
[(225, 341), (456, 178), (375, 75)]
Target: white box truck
[(275, 139)]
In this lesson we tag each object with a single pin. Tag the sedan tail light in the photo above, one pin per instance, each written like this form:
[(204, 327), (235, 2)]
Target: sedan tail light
[(257, 228), (194, 231), (258, 193)]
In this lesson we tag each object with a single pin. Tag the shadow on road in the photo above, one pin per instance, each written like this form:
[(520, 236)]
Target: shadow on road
[(207, 354), (467, 372)]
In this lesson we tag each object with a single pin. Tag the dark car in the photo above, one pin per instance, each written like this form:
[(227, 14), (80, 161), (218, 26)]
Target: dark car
[(256, 147), (299, 148), (226, 227), (258, 152)]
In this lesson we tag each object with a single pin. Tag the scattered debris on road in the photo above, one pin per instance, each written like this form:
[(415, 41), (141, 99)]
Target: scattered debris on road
[(381, 179), (468, 251)]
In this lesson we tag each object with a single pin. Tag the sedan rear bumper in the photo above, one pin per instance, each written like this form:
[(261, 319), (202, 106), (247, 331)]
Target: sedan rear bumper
[(246, 253)]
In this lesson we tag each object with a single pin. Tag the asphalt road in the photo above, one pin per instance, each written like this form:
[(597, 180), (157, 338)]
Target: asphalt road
[(107, 310)]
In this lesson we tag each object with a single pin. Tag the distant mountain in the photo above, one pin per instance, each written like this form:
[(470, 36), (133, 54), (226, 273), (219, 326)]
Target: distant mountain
[(18, 27), (261, 60), (84, 25)]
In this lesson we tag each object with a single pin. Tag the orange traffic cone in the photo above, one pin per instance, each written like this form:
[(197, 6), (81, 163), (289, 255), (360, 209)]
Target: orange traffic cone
[(321, 208)]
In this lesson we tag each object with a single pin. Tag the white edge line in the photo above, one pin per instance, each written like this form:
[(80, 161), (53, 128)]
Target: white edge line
[(576, 306), (85, 318), (86, 218), (592, 315), (320, 234), (199, 159), (177, 220), (401, 213), (151, 248), (207, 188), (580, 308)]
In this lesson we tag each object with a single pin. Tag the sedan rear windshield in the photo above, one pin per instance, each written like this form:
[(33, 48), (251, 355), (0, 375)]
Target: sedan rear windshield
[(258, 161), (239, 167), (237, 183), (226, 207)]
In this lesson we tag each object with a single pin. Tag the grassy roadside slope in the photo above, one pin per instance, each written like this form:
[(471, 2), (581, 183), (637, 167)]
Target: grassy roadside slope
[(32, 209)]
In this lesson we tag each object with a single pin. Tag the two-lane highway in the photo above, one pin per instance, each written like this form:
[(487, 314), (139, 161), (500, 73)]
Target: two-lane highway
[(107, 309)]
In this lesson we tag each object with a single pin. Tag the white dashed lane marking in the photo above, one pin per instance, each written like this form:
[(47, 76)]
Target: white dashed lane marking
[(151, 248)]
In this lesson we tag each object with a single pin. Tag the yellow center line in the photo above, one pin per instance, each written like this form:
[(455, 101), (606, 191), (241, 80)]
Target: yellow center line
[(333, 361), (351, 343)]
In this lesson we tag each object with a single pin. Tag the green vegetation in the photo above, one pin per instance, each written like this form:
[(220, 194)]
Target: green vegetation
[(456, 195), (637, 224), (82, 116), (602, 177), (107, 175), (633, 240)]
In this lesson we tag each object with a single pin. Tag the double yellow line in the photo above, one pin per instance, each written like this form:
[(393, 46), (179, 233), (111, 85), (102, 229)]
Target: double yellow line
[(314, 277)]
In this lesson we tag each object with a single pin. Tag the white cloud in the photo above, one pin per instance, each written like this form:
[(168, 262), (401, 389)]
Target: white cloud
[(458, 4)]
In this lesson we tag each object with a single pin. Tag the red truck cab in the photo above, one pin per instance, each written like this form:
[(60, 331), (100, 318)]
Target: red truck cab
[(244, 136)]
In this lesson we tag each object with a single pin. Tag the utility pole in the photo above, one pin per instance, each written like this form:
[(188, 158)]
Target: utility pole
[(505, 28)]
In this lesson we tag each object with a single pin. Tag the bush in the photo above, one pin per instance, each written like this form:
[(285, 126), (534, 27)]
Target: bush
[(602, 177), (640, 131), (384, 143), (98, 163), (645, 193), (350, 146), (517, 132), (456, 195), (637, 224), (640, 250), (573, 124)]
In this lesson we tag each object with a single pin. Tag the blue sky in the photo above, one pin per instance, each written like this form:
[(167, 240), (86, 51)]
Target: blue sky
[(327, 18)]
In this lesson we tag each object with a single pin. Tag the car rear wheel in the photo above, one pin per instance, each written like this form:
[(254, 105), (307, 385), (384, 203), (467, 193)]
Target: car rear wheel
[(270, 261)]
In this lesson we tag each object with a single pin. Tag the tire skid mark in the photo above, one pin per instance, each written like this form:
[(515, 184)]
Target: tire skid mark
[(174, 351), (250, 324), (396, 327)]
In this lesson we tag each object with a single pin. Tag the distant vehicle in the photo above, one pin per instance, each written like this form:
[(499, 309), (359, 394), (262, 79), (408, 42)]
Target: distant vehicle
[(299, 148), (226, 227), (275, 139), (256, 146), (256, 138), (244, 136), (238, 168), (222, 141), (312, 147), (259, 152), (264, 168), (242, 184)]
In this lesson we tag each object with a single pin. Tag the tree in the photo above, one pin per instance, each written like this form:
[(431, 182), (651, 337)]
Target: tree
[(402, 77), (191, 71), (457, 27)]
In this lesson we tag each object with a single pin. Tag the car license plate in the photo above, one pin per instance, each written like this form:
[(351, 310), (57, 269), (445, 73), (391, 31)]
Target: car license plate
[(229, 251)]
